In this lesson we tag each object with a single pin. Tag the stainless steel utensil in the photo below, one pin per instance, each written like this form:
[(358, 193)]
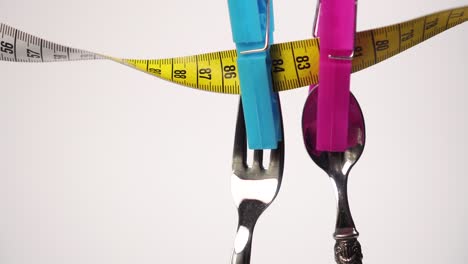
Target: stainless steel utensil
[(338, 165), (253, 188)]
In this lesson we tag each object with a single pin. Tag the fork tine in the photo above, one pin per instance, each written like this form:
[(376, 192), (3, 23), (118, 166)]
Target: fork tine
[(258, 158), (277, 155), (239, 159)]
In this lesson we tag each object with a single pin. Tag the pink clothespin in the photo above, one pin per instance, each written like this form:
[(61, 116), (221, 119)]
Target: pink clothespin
[(336, 21)]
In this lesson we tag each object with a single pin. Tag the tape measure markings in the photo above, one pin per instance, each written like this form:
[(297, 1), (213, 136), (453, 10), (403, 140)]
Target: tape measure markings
[(294, 64), (407, 34)]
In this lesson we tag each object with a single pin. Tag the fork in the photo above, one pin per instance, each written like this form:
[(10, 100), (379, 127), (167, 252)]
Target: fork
[(253, 188)]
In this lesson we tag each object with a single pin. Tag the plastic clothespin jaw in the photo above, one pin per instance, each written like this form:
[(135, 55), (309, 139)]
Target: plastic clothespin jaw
[(336, 29), (252, 30)]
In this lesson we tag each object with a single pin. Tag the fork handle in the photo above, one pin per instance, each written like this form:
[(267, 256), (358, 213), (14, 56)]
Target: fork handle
[(242, 257), (348, 251), (242, 245)]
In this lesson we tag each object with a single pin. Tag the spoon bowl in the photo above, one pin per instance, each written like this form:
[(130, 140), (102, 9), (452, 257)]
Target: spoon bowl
[(356, 132)]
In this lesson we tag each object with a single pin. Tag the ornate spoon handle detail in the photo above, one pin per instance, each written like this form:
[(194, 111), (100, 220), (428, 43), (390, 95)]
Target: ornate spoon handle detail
[(348, 251)]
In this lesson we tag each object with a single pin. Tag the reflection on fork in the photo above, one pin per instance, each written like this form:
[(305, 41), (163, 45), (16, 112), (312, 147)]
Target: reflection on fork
[(253, 188)]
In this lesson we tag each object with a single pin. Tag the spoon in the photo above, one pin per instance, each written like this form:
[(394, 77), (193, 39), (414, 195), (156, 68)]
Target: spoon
[(338, 165)]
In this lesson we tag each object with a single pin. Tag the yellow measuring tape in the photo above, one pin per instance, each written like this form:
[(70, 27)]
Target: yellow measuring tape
[(294, 64)]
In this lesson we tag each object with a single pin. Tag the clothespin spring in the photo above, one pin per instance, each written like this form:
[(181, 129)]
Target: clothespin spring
[(315, 33), (267, 34)]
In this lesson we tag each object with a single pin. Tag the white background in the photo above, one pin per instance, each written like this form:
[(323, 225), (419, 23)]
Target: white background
[(100, 163)]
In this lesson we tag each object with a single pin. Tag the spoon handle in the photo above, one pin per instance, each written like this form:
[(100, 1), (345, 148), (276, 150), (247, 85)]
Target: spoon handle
[(348, 251), (347, 247)]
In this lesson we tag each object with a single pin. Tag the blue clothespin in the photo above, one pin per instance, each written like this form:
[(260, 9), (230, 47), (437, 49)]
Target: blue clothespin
[(252, 31)]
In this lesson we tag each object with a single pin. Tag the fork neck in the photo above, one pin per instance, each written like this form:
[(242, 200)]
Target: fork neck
[(249, 211)]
